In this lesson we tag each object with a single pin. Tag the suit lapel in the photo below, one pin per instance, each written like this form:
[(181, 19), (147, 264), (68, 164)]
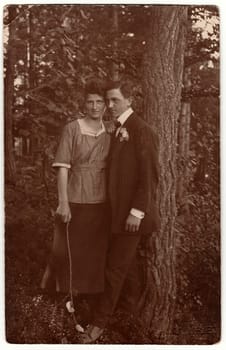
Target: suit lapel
[(117, 145)]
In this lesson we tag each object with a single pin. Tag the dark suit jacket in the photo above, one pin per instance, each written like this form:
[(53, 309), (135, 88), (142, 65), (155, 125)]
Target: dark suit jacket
[(133, 176)]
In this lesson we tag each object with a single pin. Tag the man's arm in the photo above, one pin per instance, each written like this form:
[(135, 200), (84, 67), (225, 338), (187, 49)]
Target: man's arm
[(146, 145), (148, 169)]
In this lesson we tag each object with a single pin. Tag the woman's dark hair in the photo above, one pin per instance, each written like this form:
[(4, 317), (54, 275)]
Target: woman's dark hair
[(125, 85), (95, 86)]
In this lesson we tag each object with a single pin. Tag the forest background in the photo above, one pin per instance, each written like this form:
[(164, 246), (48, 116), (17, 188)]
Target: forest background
[(44, 79)]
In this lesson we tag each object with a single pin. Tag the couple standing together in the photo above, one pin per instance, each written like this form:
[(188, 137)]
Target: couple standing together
[(107, 181)]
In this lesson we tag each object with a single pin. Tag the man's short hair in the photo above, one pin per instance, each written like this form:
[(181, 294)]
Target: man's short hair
[(95, 86), (126, 86)]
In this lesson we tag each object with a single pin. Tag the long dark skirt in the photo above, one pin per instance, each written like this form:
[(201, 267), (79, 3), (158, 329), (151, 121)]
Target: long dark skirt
[(88, 242)]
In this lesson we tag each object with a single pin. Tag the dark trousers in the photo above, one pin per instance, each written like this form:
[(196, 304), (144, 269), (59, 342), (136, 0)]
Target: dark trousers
[(121, 254)]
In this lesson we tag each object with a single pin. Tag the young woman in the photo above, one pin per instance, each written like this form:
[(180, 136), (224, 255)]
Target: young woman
[(81, 236)]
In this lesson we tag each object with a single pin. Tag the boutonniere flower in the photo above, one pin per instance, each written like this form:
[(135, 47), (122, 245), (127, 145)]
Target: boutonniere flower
[(123, 135)]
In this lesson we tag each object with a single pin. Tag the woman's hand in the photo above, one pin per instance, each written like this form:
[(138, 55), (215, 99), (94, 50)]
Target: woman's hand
[(64, 211)]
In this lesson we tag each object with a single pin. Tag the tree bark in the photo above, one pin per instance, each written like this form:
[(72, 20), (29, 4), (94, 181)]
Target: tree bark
[(115, 67), (162, 83), (10, 167), (184, 140)]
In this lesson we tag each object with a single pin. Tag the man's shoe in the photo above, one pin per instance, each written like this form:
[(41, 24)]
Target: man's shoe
[(91, 334)]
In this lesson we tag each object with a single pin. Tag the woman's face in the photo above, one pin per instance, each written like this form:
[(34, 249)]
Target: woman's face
[(95, 106)]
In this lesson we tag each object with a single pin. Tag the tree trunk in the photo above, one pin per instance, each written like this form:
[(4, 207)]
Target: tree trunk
[(31, 83), (114, 73), (162, 83), (184, 140), (10, 167)]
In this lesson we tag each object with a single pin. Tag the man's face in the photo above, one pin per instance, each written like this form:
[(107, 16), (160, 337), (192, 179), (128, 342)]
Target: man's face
[(95, 106), (117, 103)]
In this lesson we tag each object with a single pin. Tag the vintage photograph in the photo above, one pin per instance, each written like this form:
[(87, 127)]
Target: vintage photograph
[(112, 174)]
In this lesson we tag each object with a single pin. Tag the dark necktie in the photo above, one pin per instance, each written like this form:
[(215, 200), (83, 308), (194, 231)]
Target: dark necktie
[(117, 124)]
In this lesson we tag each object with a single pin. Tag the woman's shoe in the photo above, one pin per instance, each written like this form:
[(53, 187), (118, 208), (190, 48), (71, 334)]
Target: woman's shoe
[(91, 334)]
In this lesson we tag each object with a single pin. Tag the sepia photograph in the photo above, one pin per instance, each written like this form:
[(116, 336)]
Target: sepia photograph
[(111, 173)]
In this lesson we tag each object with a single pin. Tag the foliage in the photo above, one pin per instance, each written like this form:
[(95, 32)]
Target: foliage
[(64, 50), (198, 275), (59, 47)]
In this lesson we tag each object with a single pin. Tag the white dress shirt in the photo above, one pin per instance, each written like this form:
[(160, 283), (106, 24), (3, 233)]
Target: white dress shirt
[(122, 119)]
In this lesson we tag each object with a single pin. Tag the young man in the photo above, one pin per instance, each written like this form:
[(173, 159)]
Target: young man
[(132, 184)]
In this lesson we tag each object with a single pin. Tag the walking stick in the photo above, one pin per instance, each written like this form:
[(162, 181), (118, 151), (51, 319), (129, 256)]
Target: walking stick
[(70, 304)]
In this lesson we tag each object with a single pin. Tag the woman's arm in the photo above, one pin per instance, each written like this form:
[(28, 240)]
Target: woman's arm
[(63, 209)]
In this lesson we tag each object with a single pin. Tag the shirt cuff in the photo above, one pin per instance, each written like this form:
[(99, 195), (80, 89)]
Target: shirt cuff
[(62, 165), (138, 213)]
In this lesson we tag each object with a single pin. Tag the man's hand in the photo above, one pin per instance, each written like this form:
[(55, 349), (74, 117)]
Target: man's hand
[(64, 211), (132, 223)]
